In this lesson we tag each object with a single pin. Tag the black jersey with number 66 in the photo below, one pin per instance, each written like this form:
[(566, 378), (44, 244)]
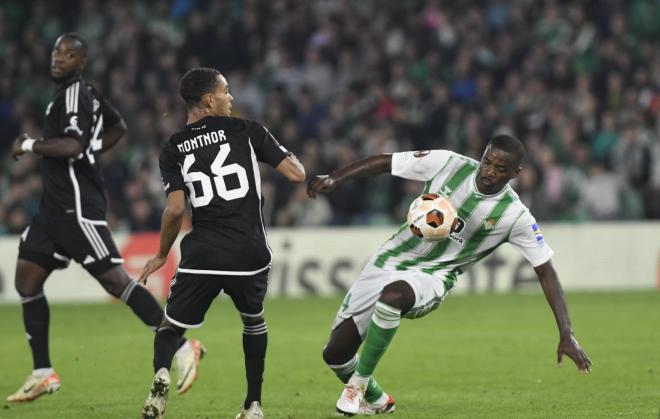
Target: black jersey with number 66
[(214, 161)]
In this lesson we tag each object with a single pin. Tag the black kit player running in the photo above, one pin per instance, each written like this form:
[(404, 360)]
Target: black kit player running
[(70, 223), (213, 163)]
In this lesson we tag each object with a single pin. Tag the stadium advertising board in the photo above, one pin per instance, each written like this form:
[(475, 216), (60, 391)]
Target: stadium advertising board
[(602, 256)]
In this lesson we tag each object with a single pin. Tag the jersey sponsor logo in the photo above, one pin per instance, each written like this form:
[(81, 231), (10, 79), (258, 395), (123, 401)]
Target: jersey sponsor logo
[(88, 260), (167, 186), (73, 126), (458, 225), (456, 238), (421, 153), (456, 228), (538, 233)]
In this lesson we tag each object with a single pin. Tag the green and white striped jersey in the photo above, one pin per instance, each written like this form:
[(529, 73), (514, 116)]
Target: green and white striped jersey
[(489, 220)]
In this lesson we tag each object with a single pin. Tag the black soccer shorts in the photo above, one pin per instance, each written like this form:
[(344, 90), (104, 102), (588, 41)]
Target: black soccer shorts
[(191, 296), (52, 242)]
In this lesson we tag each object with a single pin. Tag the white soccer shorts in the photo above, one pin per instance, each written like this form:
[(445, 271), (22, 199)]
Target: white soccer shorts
[(360, 301)]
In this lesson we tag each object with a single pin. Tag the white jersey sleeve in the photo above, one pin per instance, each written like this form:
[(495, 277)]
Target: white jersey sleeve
[(419, 165), (527, 237)]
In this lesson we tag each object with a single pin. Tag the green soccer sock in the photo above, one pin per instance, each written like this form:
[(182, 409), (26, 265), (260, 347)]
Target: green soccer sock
[(344, 373), (382, 328)]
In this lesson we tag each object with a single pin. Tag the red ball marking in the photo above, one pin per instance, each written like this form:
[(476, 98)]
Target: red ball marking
[(435, 218), (430, 196), (415, 230)]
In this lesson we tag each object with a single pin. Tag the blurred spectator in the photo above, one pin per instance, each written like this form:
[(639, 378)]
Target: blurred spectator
[(577, 82)]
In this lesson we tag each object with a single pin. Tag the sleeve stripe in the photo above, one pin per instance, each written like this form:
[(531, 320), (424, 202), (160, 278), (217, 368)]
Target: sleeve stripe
[(67, 95), (71, 97), (76, 94)]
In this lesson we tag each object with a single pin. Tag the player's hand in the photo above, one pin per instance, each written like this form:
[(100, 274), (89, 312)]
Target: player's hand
[(16, 150), (152, 265), (570, 347), (320, 183)]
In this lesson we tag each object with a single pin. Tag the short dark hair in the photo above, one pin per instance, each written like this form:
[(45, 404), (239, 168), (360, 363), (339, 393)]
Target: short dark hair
[(77, 37), (509, 144), (196, 83)]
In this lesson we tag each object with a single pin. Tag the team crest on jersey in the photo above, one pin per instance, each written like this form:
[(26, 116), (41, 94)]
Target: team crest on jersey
[(489, 224), (538, 234), (446, 190), (421, 153), (73, 126)]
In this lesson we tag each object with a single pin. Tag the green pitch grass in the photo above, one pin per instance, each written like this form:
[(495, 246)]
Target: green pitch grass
[(476, 356)]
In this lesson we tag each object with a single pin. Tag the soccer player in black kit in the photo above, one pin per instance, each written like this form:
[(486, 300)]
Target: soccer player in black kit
[(70, 224), (213, 163)]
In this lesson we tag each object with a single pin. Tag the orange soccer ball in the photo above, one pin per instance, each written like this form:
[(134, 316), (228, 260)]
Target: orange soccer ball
[(431, 216)]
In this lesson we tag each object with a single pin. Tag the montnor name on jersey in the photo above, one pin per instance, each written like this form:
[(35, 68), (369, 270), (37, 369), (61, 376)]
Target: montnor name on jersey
[(202, 140)]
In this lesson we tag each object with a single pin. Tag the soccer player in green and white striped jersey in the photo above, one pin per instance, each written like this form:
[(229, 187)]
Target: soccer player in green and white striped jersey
[(409, 276)]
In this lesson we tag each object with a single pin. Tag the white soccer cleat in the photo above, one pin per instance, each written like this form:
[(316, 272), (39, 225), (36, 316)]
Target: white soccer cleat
[(187, 364), (351, 402), (154, 406), (387, 407), (254, 412), (36, 386)]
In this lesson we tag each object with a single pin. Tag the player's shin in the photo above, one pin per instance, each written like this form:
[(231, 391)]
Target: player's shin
[(344, 372), (382, 328), (255, 341), (166, 344), (36, 317)]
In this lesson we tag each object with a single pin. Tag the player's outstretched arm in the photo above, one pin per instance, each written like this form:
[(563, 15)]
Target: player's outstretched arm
[(52, 147), (568, 344), (292, 169), (170, 226), (373, 165)]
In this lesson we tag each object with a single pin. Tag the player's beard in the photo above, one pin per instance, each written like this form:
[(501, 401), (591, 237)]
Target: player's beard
[(60, 79)]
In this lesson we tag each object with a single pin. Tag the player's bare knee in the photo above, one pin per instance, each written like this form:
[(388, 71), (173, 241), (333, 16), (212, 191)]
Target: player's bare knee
[(27, 288), (29, 279), (399, 295), (334, 354)]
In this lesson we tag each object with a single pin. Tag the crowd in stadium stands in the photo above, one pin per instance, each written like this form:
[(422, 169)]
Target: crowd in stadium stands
[(336, 80)]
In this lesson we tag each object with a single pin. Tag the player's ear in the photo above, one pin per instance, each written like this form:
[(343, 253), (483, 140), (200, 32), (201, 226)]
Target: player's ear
[(208, 100)]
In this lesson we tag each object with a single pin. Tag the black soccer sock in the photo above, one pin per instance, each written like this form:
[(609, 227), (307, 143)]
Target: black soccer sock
[(36, 317), (143, 304), (255, 341), (166, 344)]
